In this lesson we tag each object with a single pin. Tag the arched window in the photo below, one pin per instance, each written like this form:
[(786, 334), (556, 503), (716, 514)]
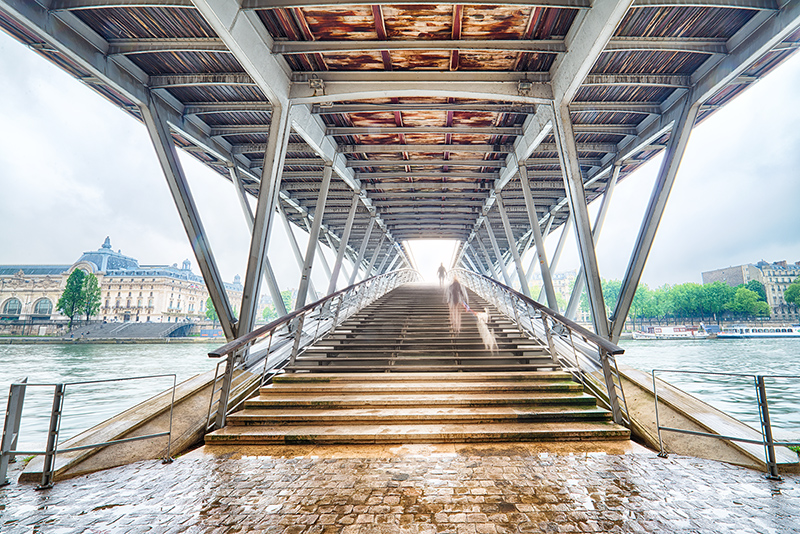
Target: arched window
[(43, 306), (12, 307)]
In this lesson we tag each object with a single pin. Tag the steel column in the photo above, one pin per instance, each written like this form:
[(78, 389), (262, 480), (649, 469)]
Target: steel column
[(269, 275), (500, 261), (298, 256), (523, 281), (343, 244), (394, 260), (580, 280), (533, 219), (313, 236), (384, 260), (268, 191), (374, 257), (678, 139), (325, 266), (488, 258), (187, 210), (576, 196), (362, 249)]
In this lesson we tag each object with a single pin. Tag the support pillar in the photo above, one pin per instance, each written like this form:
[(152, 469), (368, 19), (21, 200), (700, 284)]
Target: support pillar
[(269, 275), (298, 256), (323, 260), (394, 260), (499, 256), (676, 146), (562, 240), (489, 261), (313, 238), (576, 196), (541, 254), (343, 245), (384, 260), (362, 249), (268, 190), (187, 210), (512, 246), (374, 257), (580, 280)]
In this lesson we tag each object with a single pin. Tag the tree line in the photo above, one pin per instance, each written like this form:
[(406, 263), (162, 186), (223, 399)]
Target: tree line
[(81, 296), (690, 301)]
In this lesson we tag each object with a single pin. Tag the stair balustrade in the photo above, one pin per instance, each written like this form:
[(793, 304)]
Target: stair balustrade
[(277, 344), (579, 351)]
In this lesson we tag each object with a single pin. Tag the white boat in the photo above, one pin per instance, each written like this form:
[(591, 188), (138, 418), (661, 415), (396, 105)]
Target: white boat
[(671, 332), (743, 331)]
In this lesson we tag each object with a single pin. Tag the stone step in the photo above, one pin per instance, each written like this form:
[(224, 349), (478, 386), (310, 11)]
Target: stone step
[(410, 367), (426, 415), (452, 353), (579, 400), (420, 377), (418, 433), (425, 387)]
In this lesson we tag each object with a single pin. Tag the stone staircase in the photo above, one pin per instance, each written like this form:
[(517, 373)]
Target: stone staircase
[(395, 373)]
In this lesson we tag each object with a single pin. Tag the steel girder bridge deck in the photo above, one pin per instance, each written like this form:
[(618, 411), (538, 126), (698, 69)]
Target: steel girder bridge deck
[(370, 123)]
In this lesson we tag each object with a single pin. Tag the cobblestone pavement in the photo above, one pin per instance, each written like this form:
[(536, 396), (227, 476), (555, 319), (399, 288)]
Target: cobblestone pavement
[(479, 492)]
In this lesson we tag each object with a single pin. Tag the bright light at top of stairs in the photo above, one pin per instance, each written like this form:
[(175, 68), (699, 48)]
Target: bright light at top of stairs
[(427, 254)]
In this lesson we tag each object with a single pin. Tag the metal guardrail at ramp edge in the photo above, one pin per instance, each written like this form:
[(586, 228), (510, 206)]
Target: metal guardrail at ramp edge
[(16, 400)]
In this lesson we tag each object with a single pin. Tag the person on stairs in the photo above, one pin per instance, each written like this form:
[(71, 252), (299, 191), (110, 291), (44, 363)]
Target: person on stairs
[(456, 296), (442, 272)]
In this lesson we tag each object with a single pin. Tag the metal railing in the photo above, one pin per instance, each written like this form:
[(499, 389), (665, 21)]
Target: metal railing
[(16, 399), (287, 336), (576, 349), (767, 440)]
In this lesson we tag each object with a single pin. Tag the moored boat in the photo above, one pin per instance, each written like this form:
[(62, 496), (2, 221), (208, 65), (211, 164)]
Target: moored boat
[(744, 331), (671, 332)]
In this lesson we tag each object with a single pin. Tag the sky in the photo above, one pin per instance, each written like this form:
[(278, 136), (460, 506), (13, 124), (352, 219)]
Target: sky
[(75, 169)]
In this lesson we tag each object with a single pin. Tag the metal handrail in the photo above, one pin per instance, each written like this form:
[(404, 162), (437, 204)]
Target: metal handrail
[(322, 317), (767, 439), (16, 400), (578, 350)]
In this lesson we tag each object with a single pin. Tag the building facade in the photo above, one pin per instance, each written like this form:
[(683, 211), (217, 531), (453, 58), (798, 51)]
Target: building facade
[(776, 278), (129, 291)]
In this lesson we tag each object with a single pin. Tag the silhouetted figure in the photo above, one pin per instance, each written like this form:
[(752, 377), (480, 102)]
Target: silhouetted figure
[(442, 272), (456, 296)]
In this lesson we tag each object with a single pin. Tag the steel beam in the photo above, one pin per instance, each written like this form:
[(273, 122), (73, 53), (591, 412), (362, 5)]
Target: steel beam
[(576, 197), (679, 81), (444, 147), (655, 210), (333, 109), (68, 5), (489, 261), (161, 137), (298, 256), (269, 275), (313, 238), (268, 193), (148, 46), (166, 81), (288, 4), (523, 282), (360, 163), (202, 108), (343, 245), (683, 44), (769, 5), (374, 258), (541, 254), (580, 280), (383, 130), (384, 260), (361, 250), (533, 46), (497, 253)]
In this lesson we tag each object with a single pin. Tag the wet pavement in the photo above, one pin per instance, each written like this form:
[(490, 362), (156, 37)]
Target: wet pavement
[(421, 489)]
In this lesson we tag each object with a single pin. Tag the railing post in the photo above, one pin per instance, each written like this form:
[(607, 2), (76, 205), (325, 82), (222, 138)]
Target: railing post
[(549, 335), (297, 335), (16, 398), (49, 468), (611, 387), (222, 407), (769, 443)]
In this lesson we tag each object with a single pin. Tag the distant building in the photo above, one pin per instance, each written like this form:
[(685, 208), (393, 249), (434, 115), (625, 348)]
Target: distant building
[(129, 291), (776, 277)]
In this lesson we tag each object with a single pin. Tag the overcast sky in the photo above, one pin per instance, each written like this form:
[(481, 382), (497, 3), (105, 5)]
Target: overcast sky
[(75, 169)]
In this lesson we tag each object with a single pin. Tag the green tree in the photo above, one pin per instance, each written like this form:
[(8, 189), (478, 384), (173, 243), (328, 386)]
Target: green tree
[(611, 289), (758, 288), (211, 312), (71, 301), (91, 296), (717, 296), (745, 303), (642, 305), (792, 293), (270, 313)]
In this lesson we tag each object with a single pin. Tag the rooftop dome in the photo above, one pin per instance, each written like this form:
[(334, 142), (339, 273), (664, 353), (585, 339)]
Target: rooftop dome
[(106, 260)]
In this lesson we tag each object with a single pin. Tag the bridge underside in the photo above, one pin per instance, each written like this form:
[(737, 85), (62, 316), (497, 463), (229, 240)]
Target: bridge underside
[(369, 123)]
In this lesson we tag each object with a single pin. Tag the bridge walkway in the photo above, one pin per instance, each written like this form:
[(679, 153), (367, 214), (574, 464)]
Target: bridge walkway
[(397, 373)]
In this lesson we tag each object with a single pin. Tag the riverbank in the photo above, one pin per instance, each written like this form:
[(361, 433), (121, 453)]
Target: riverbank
[(106, 341)]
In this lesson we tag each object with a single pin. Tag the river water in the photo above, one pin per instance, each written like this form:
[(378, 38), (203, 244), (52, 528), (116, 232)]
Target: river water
[(87, 405)]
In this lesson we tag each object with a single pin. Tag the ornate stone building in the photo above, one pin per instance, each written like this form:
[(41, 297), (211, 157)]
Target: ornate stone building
[(129, 291)]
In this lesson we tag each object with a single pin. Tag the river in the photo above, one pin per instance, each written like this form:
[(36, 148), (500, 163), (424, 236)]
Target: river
[(87, 405)]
